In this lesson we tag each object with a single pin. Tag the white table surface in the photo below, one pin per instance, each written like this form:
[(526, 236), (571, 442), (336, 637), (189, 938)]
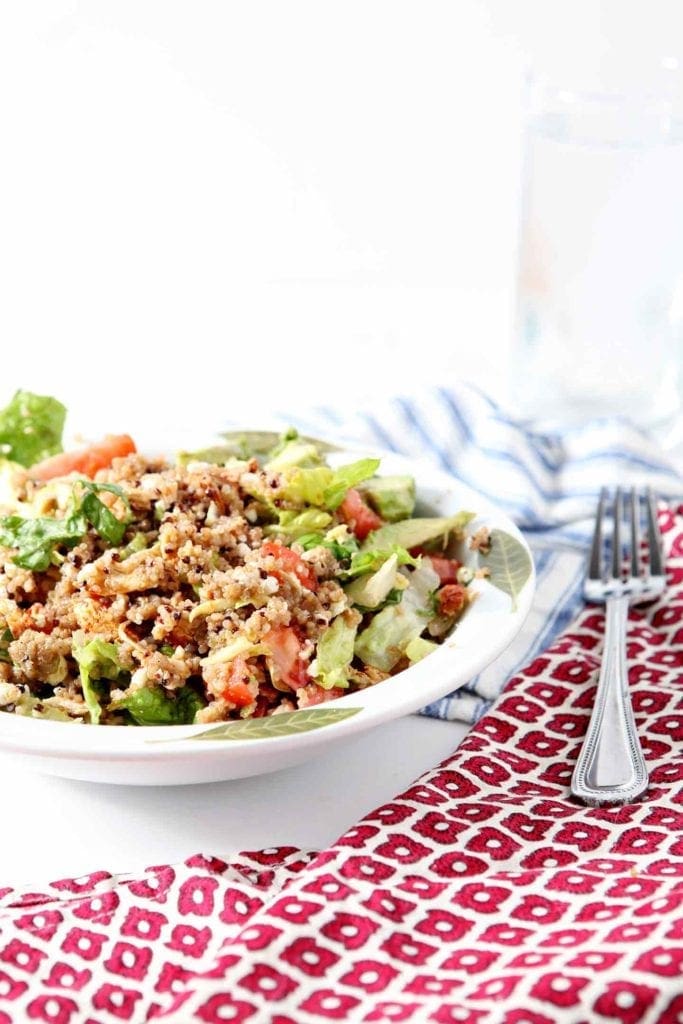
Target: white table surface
[(53, 828)]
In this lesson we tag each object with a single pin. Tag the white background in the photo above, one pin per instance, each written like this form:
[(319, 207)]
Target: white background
[(218, 209), (214, 210)]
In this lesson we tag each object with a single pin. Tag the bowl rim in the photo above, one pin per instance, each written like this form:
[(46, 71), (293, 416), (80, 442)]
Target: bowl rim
[(81, 742)]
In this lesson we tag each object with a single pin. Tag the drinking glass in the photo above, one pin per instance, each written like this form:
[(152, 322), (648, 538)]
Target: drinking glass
[(600, 287)]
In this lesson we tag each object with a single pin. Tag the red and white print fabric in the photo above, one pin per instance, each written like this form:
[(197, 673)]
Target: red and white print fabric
[(481, 894)]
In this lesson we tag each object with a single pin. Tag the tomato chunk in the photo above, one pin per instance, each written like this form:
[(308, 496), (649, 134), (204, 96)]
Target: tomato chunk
[(285, 647), (232, 681), (357, 513), (86, 460), (290, 562), (445, 568)]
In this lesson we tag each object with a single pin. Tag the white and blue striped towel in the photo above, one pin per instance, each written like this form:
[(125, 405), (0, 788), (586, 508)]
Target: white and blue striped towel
[(546, 482)]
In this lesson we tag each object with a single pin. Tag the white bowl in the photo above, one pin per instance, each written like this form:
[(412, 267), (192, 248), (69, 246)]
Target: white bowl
[(165, 755)]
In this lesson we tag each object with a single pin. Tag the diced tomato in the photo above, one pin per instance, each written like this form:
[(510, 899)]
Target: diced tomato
[(290, 562), (357, 513), (86, 460), (284, 647), (445, 568), (452, 599), (231, 681)]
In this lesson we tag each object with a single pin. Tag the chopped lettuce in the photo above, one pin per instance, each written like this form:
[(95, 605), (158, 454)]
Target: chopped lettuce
[(99, 515), (419, 648), (240, 645), (31, 428), (36, 539), (348, 476), (335, 654), (294, 453), (294, 525), (371, 591), (5, 640), (96, 660), (151, 705), (137, 543), (322, 486), (383, 643), (412, 533), (392, 496), (363, 562)]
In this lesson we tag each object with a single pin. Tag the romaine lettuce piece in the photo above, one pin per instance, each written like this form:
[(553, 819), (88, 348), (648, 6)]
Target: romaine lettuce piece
[(363, 562), (348, 476), (293, 525), (31, 428), (322, 486), (295, 452), (240, 645), (393, 497), (137, 543), (96, 660), (412, 533), (151, 705), (334, 654), (306, 486), (419, 648), (370, 591), (383, 643)]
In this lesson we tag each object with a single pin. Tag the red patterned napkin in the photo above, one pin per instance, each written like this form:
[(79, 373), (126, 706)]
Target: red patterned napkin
[(480, 894)]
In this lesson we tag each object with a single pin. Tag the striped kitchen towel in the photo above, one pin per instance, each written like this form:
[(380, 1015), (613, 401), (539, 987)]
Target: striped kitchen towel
[(546, 482)]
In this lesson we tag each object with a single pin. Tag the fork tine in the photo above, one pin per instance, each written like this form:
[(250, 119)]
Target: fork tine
[(594, 566), (654, 538), (634, 509), (616, 535)]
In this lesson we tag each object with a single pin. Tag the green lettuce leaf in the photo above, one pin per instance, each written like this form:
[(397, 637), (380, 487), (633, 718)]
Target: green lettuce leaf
[(334, 654), (36, 539), (419, 648), (293, 525), (383, 643), (413, 533), (346, 477), (371, 590), (322, 486), (100, 517), (31, 428), (363, 562), (5, 640), (96, 660), (151, 705)]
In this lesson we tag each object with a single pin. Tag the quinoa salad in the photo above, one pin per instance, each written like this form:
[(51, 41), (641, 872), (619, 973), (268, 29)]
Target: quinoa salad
[(218, 585)]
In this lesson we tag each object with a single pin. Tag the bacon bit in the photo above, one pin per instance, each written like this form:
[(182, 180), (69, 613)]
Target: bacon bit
[(452, 599), (481, 540)]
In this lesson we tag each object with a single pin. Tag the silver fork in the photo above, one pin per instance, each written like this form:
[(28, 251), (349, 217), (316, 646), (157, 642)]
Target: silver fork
[(611, 767)]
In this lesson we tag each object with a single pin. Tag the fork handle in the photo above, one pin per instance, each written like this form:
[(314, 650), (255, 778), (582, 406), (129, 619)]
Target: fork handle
[(611, 766)]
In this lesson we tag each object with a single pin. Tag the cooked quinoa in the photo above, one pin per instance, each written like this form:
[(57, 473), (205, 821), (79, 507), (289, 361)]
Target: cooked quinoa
[(212, 603)]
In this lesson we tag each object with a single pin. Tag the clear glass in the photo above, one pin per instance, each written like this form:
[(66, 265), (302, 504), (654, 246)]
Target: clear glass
[(600, 289)]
